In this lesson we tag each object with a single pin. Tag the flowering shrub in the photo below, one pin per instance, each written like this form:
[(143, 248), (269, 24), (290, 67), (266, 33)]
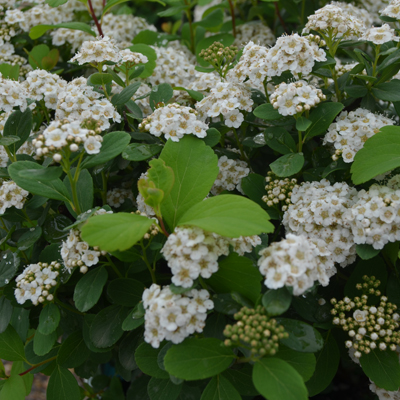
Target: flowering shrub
[(200, 200)]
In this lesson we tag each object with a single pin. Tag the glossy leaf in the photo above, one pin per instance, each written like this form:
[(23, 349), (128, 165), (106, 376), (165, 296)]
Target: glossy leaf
[(288, 165), (127, 93), (141, 151), (267, 112), (160, 94), (11, 346), (13, 388), (73, 351), (39, 30), (321, 117), (62, 385), (280, 140), (277, 301), (49, 319), (146, 358), (5, 313), (42, 344), (163, 389), (219, 388)]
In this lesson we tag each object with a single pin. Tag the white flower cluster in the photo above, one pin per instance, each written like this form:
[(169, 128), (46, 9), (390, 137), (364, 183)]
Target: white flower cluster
[(43, 85), (11, 195), (352, 129), (174, 316), (375, 217), (78, 101), (124, 27), (174, 121), (317, 211), (226, 99), (117, 196), (380, 35), (65, 133), (296, 262), (255, 31), (173, 67), (296, 97), (13, 94), (204, 82), (72, 37), (230, 175), (336, 20), (293, 53), (392, 9), (192, 252), (105, 49), (356, 11), (36, 282)]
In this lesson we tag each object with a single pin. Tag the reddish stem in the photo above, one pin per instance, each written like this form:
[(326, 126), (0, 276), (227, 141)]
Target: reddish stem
[(104, 3), (278, 13), (37, 365), (160, 220), (233, 17), (96, 21)]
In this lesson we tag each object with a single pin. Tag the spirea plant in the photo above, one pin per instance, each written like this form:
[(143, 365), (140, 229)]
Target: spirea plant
[(200, 200)]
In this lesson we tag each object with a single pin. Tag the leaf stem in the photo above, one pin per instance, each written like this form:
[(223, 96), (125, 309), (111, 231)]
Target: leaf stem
[(145, 259), (113, 266), (37, 365)]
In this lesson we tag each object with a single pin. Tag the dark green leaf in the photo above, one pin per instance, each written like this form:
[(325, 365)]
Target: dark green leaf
[(219, 388), (84, 189), (8, 266), (62, 385), (6, 310), (275, 379), (110, 4), (39, 30), (213, 137), (18, 124), (160, 94), (8, 140), (387, 91), (141, 151), (73, 351), (120, 99), (242, 380), (212, 20), (42, 344), (280, 140), (322, 117), (267, 112), (46, 174), (146, 358), (163, 389), (302, 124), (89, 289), (276, 302), (198, 359), (125, 291), (49, 319), (100, 79), (366, 251), (288, 165), (29, 238)]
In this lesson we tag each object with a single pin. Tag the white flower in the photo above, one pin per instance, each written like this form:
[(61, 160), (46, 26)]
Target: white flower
[(380, 35), (360, 316), (90, 257), (92, 145)]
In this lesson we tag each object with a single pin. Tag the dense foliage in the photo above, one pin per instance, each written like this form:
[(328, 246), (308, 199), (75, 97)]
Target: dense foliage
[(200, 200)]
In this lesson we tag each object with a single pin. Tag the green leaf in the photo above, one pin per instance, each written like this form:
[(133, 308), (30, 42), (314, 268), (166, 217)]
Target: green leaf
[(302, 337), (106, 328), (18, 124), (8, 267), (242, 380), (161, 175), (125, 291), (113, 232), (198, 359), (152, 38), (29, 238), (302, 124), (45, 175), (49, 319), (55, 3), (172, 11), (113, 144), (356, 91), (120, 99), (163, 389), (219, 388), (84, 189), (42, 344), (100, 79), (54, 189), (321, 117), (288, 165), (213, 137), (10, 71), (62, 385), (130, 323), (383, 368), (237, 274), (6, 310), (11, 346), (141, 151), (13, 388), (110, 4), (366, 251), (277, 302), (212, 20), (151, 56), (8, 140), (89, 288), (387, 91), (327, 364), (146, 358), (267, 112), (381, 153), (160, 94), (39, 30), (73, 351), (303, 363), (275, 379), (280, 140), (186, 158), (228, 215)]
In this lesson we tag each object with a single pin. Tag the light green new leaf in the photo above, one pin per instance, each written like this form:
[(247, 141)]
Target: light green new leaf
[(195, 168), (383, 368), (115, 231), (275, 379), (228, 215), (11, 346), (151, 55), (62, 385), (237, 274), (198, 359), (13, 389), (162, 176), (112, 3), (39, 30), (381, 153), (219, 388), (89, 288), (113, 144), (54, 189)]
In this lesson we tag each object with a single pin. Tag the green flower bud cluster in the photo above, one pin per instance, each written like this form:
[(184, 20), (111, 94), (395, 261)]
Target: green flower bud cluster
[(255, 331), (93, 125), (368, 327), (279, 191), (220, 57)]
